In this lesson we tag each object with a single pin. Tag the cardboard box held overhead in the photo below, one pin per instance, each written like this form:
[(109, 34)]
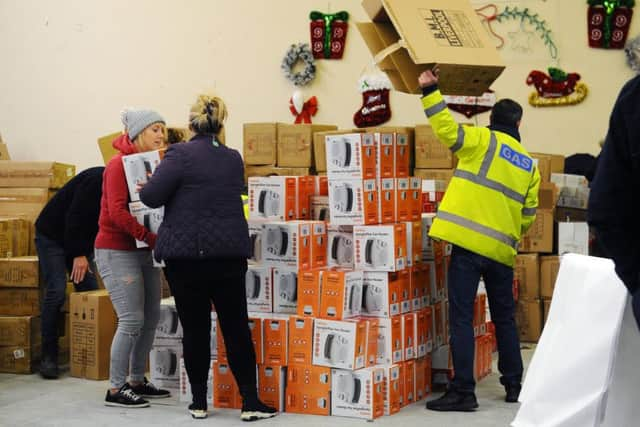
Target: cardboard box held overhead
[(410, 36)]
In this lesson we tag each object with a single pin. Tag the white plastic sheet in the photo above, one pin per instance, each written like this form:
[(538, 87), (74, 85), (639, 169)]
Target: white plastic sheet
[(585, 370)]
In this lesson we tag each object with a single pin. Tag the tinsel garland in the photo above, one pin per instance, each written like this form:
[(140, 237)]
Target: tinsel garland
[(534, 20)]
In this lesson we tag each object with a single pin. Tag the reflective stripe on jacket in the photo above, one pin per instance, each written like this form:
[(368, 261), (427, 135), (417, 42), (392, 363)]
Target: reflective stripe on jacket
[(492, 198), (245, 205)]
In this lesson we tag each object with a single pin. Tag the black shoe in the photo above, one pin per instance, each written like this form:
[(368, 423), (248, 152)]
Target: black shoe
[(254, 409), (125, 398), (49, 368), (149, 391), (453, 400), (198, 411), (513, 392)]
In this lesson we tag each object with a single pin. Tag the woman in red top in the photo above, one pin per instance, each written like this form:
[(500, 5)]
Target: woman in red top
[(128, 273)]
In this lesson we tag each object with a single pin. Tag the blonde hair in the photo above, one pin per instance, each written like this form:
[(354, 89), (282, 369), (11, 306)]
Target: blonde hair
[(139, 138), (207, 115)]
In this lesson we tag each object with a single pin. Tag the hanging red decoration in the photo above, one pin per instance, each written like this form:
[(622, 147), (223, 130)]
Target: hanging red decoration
[(556, 88), (328, 34), (302, 111), (609, 22), (471, 105)]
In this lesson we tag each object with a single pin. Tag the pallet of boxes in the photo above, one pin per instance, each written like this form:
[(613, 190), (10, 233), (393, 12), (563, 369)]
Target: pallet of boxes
[(560, 227), (25, 188), (346, 310)]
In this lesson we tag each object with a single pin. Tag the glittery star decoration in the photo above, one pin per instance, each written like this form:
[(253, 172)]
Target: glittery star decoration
[(521, 40)]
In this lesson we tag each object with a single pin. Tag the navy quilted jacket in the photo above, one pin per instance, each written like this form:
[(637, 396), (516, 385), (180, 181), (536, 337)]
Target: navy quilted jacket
[(200, 186)]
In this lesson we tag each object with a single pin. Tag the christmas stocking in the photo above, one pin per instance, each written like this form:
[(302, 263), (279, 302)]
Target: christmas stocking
[(375, 108)]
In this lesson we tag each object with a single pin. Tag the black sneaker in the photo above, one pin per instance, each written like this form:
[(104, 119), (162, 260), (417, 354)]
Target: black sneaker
[(49, 369), (149, 391), (513, 392), (453, 400), (125, 398), (254, 409), (198, 411)]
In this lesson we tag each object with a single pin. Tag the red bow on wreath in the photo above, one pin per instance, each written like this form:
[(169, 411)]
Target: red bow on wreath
[(303, 111)]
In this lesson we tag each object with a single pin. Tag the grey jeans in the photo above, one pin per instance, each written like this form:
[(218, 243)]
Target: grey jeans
[(134, 287)]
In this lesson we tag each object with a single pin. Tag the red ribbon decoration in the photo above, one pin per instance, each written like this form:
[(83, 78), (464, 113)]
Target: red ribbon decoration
[(309, 109)]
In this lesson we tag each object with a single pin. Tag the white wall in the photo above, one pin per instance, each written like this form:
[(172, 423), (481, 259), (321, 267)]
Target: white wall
[(69, 66)]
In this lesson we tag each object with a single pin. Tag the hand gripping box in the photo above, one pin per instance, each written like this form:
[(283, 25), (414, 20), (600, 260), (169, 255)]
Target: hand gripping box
[(341, 294), (353, 201), (300, 340), (380, 247), (258, 283), (273, 198), (339, 344), (286, 244), (357, 394), (390, 348), (350, 156), (309, 292), (285, 290), (340, 246)]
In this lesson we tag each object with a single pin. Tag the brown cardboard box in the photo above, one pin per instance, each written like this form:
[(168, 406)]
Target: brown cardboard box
[(547, 196), (548, 164), (14, 237), (19, 272), (539, 237), (19, 301), (21, 331), (546, 305), (529, 320), (272, 170), (437, 174), (18, 360), (259, 143), (549, 266), (319, 150), (443, 32), (430, 152), (19, 343), (93, 324), (527, 275), (570, 215), (295, 144), (35, 174), (23, 202), (4, 151)]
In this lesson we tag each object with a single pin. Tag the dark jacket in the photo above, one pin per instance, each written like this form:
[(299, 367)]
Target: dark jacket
[(199, 185), (70, 218), (614, 201)]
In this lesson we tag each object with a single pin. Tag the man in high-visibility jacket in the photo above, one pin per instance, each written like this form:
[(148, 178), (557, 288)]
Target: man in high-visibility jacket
[(490, 202)]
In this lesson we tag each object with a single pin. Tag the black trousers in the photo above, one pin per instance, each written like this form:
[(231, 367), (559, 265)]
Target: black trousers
[(195, 284)]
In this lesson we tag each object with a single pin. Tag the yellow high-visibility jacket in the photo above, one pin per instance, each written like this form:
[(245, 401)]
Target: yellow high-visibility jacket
[(245, 205), (493, 195)]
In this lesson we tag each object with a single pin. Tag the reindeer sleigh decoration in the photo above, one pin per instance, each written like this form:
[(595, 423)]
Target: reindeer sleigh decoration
[(556, 88)]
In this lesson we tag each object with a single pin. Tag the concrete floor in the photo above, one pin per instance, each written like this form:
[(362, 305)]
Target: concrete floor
[(28, 400)]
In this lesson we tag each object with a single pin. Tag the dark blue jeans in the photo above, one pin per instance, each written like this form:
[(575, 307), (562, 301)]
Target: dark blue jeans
[(465, 271), (54, 265)]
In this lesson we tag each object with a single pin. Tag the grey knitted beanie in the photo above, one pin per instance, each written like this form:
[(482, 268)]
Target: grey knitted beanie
[(136, 120)]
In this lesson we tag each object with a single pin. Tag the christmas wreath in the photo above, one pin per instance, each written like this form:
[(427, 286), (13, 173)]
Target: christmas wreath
[(299, 52)]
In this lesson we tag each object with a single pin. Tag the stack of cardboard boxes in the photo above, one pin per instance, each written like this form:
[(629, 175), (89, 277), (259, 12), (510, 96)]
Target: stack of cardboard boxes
[(280, 148), (25, 187), (344, 309)]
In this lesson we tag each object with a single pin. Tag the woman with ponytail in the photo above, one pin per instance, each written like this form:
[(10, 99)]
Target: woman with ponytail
[(204, 242)]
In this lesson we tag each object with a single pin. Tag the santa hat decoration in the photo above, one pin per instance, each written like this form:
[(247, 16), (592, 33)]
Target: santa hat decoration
[(375, 108)]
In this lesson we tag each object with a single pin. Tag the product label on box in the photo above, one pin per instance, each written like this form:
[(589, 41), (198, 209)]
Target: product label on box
[(450, 28)]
